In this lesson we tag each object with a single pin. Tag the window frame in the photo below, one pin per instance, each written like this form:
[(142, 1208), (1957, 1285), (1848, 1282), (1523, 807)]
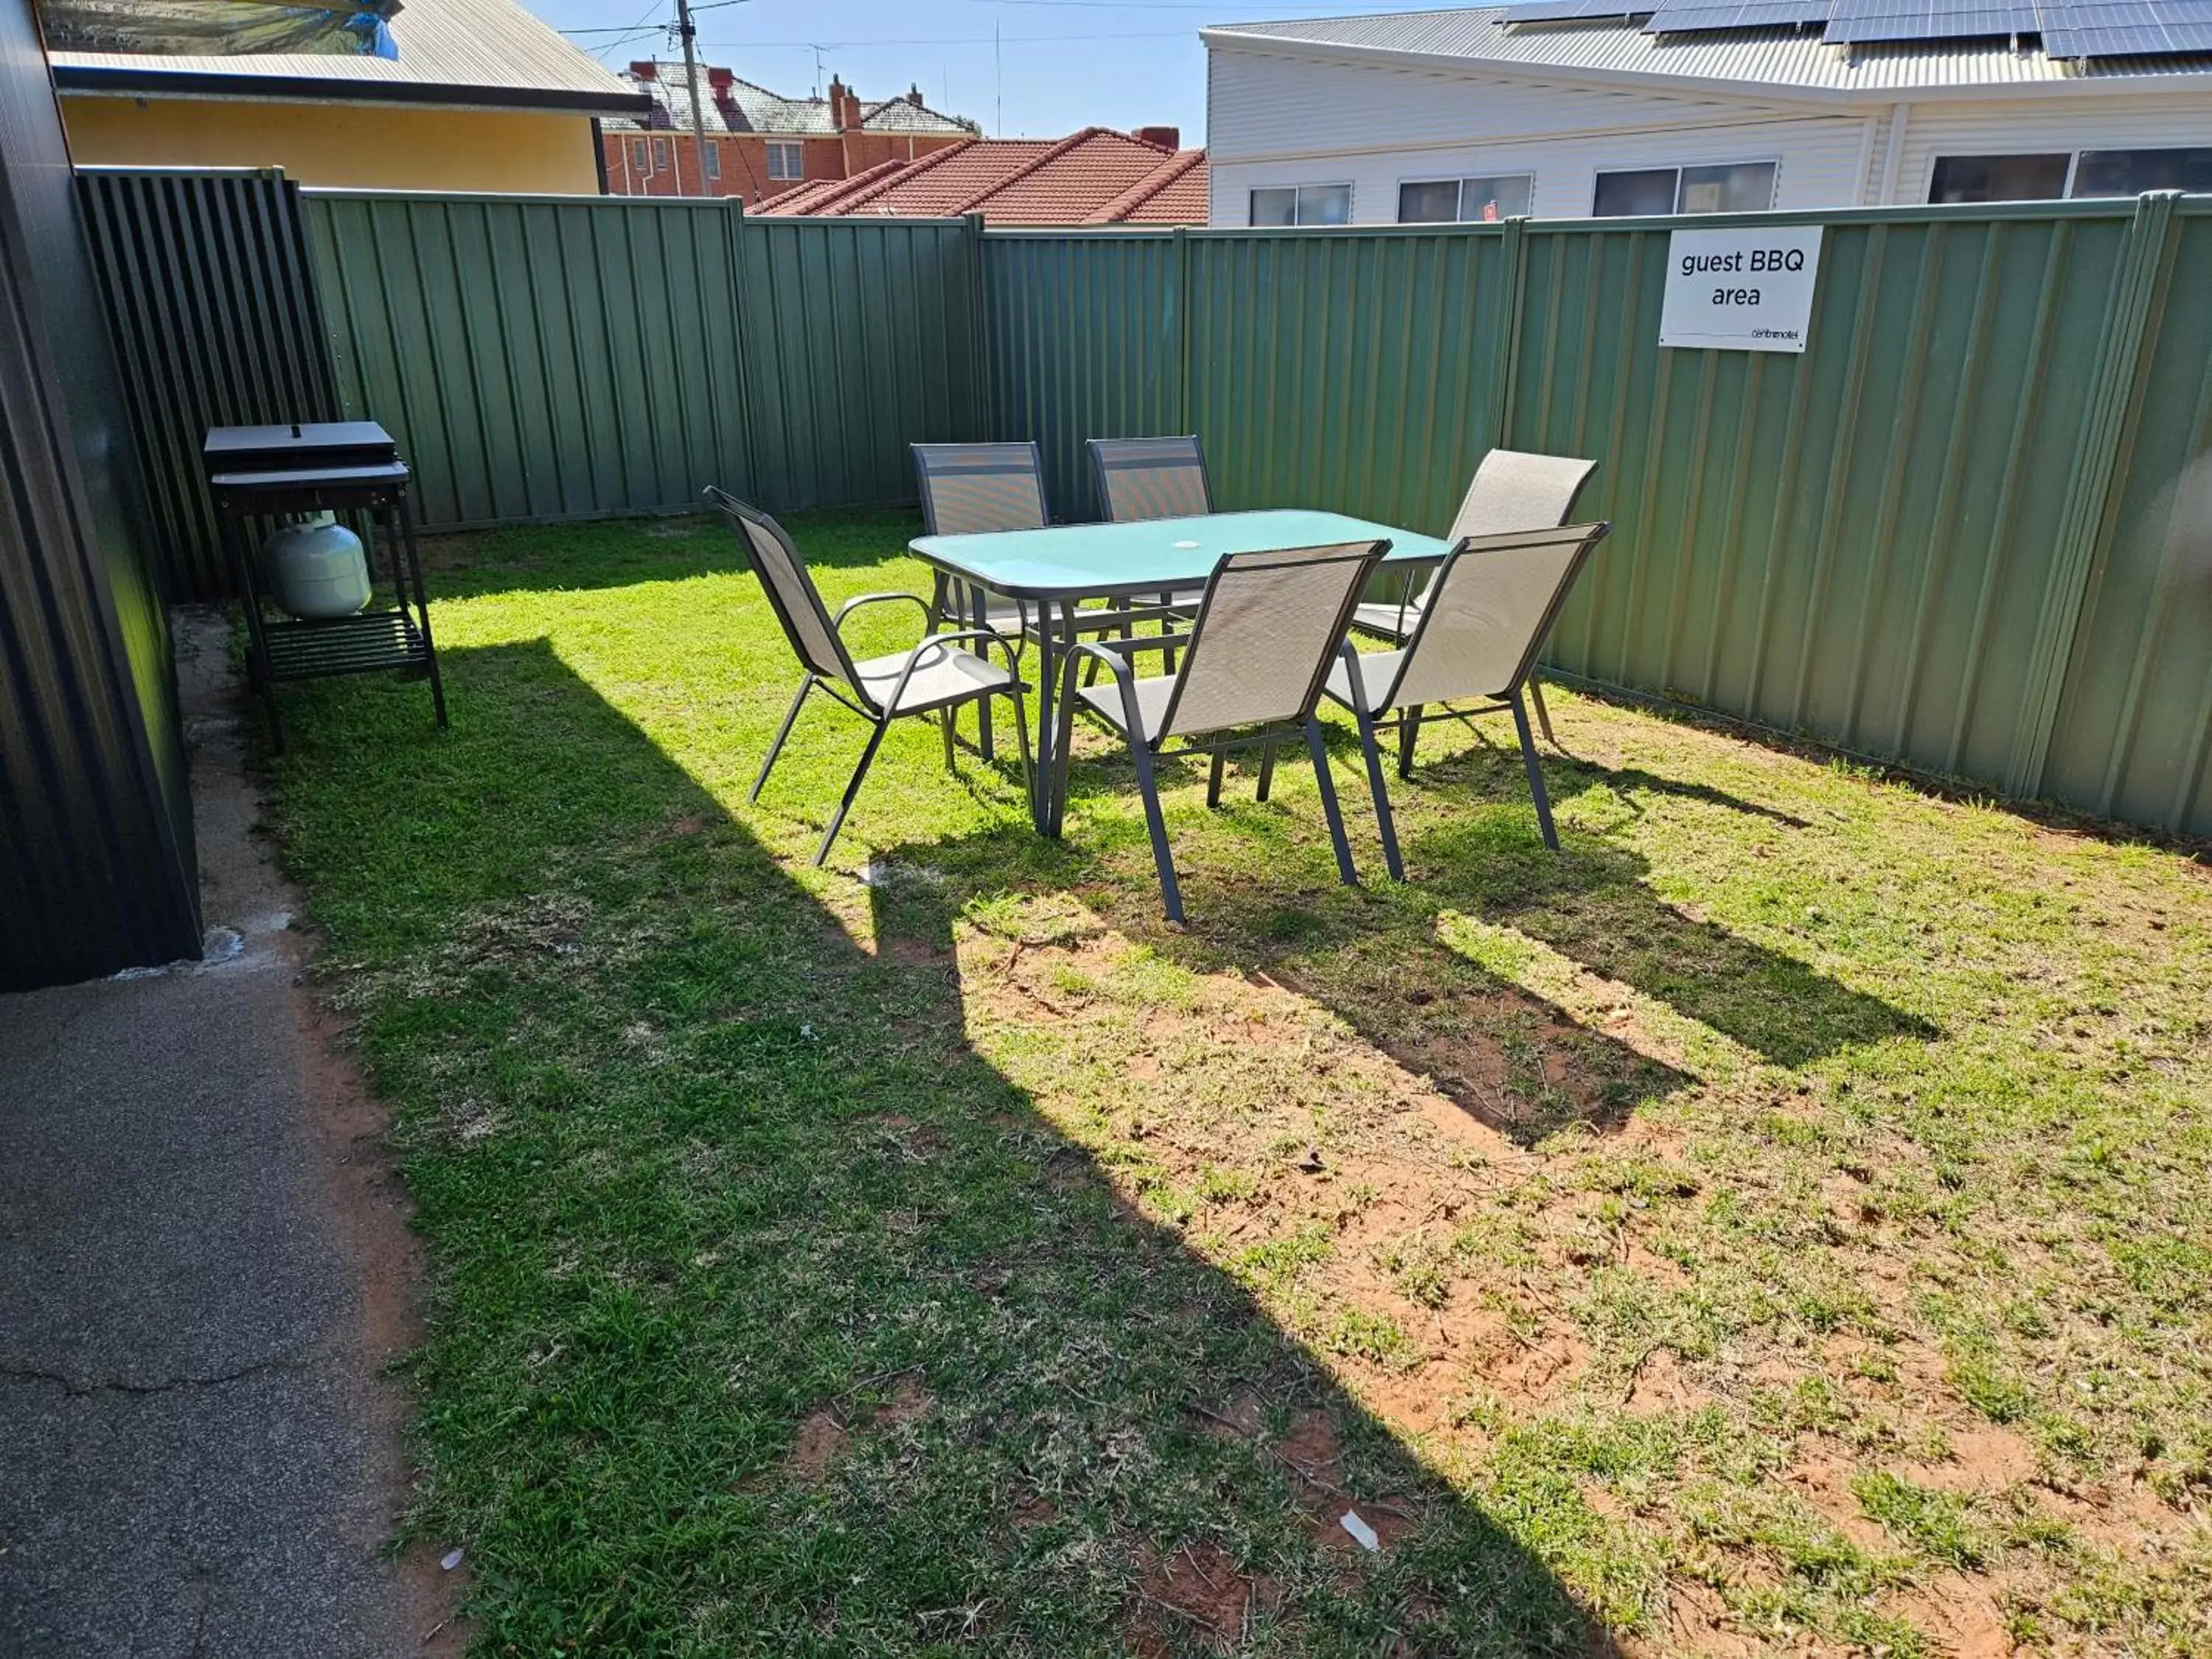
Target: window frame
[(1678, 168), (1351, 204), (1461, 179), (660, 156), (794, 151), (2065, 189), (640, 156), (710, 162)]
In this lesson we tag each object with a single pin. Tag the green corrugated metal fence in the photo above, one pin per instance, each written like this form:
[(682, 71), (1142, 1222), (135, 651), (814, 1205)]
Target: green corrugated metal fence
[(1969, 529), (559, 357), (212, 312)]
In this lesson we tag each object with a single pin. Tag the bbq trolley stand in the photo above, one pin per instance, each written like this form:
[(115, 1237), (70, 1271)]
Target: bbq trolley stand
[(342, 466)]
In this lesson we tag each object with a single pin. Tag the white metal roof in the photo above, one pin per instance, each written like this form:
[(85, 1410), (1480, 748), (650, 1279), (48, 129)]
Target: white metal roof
[(1744, 61), (452, 52)]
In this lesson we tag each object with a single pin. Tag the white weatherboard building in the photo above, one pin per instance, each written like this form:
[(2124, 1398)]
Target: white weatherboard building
[(1471, 114)]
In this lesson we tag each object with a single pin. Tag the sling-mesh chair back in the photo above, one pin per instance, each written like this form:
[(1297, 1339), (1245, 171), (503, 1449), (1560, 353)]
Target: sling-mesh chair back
[(1515, 490), (791, 593), (1492, 604), (1151, 478), (968, 489), (1266, 632)]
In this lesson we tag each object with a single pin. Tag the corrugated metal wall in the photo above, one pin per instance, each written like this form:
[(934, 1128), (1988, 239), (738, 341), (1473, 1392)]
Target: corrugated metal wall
[(569, 357), (537, 357), (96, 858), (1969, 529), (212, 309), (1965, 530)]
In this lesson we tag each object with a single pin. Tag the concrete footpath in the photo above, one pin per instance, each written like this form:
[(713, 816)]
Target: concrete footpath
[(204, 1269)]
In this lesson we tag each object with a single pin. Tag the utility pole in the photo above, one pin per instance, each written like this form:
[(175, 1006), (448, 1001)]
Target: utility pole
[(691, 82)]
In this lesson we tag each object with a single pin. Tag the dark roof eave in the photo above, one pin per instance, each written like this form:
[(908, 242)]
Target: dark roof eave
[(315, 89)]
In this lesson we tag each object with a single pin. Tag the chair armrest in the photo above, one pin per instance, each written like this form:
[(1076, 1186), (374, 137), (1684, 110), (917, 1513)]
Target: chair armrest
[(1129, 647), (854, 604)]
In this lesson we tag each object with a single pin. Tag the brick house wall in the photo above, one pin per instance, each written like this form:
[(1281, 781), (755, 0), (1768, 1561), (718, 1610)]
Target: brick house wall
[(648, 163)]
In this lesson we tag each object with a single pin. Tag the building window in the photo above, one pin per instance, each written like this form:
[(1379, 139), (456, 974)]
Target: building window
[(660, 156), (713, 161), (2131, 172), (787, 160), (1999, 178), (1465, 201), (1302, 204), (1731, 187), (637, 155)]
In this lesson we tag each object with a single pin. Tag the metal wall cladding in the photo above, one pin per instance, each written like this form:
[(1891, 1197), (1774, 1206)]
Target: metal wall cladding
[(2133, 737), (861, 337), (211, 305), (1858, 542), (1086, 339), (1357, 371), (538, 358)]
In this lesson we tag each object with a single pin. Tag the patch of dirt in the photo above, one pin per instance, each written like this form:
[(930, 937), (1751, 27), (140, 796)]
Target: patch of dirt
[(1961, 1613), (910, 953), (908, 1401), (1198, 1591), (1823, 1480), (1029, 1510), (1662, 1383), (822, 1440), (1981, 1460), (1237, 1418)]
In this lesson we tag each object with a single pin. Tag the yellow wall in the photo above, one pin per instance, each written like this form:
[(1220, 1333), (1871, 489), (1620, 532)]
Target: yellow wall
[(369, 146)]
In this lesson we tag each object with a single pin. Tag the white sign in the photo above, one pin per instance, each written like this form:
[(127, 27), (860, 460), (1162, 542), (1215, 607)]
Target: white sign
[(1740, 290)]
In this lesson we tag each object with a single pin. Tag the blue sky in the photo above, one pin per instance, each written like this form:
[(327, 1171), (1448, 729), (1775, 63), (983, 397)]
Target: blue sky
[(1060, 64)]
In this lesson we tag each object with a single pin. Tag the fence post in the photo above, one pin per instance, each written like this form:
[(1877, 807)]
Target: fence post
[(1180, 243), (734, 217), (1506, 354), (2085, 523), (986, 392)]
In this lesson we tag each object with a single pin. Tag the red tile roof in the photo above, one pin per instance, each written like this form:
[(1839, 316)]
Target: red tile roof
[(1096, 177)]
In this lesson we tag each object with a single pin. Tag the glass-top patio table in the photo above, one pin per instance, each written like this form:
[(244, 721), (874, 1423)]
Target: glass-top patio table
[(1054, 570)]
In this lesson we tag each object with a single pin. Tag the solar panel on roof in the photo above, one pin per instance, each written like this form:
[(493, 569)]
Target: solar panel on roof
[(1853, 22), (2125, 28), (1564, 11), (1701, 16)]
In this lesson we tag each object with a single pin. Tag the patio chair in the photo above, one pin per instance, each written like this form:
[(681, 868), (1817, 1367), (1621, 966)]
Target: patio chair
[(932, 677), (1492, 602), (1140, 478), (1512, 489), (1266, 631), (969, 490)]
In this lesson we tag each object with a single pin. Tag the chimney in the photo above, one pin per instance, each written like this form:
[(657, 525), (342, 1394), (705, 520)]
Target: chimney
[(720, 79), (646, 70), (1164, 138), (849, 121), (914, 95)]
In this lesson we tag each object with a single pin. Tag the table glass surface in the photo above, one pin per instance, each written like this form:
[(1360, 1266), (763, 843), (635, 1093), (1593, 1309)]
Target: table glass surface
[(1145, 556)]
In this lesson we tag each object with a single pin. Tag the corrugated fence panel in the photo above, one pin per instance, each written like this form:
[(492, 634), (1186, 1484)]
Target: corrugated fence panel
[(539, 358), (2134, 736), (861, 336), (212, 308), (1854, 542), (1360, 372), (1085, 335)]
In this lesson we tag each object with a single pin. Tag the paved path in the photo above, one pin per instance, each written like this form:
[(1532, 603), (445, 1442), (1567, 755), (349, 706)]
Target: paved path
[(202, 1270)]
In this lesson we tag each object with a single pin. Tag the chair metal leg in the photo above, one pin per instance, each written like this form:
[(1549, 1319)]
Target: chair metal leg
[(852, 791), (1409, 732), (1372, 750), (1319, 750), (944, 724), (1148, 786), (1214, 779), (1267, 769), (790, 719), (1022, 736), (1535, 773), (1543, 714)]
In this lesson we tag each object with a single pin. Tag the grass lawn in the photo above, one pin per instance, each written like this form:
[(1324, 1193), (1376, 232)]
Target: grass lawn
[(1776, 1222)]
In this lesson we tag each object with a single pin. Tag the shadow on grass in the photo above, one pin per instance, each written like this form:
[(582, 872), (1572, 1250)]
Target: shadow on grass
[(1261, 896), (768, 1317), (603, 553)]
